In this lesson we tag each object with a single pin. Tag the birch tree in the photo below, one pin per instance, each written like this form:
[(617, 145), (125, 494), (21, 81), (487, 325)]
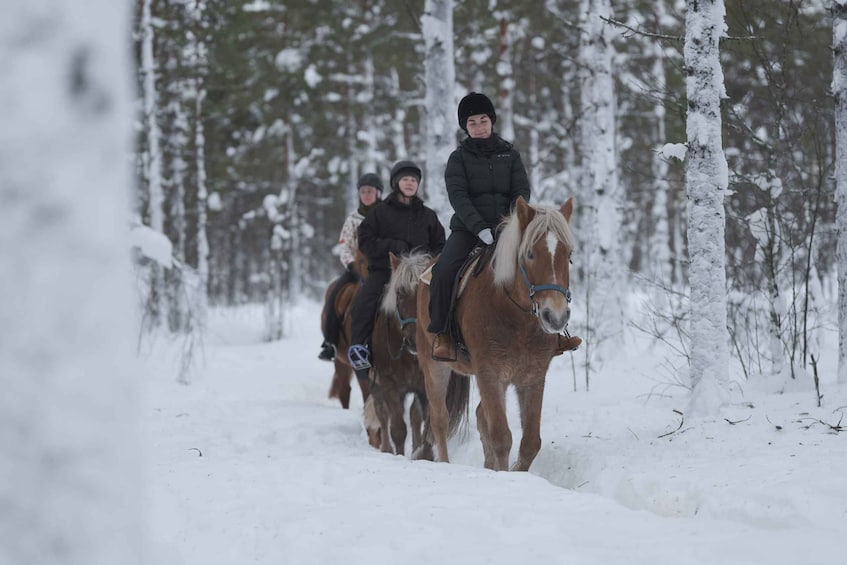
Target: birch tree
[(839, 90), (199, 63), (706, 184), (440, 78), (69, 415), (505, 73), (156, 197), (659, 251), (601, 200)]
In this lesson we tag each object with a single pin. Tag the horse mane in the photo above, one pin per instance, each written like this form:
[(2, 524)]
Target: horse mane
[(512, 244), (404, 278)]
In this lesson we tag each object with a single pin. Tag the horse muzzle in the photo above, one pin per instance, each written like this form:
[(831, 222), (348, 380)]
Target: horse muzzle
[(554, 321)]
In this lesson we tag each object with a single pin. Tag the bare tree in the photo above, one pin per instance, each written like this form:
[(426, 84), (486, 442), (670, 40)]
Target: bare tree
[(437, 24), (706, 184), (601, 199), (839, 90)]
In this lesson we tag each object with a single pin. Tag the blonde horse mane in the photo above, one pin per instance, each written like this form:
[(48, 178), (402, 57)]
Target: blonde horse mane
[(404, 278), (512, 244)]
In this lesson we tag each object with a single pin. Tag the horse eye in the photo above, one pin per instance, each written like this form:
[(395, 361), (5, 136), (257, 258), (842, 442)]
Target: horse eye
[(530, 255)]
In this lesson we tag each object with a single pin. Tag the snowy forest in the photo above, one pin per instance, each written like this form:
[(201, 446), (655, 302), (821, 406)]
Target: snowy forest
[(255, 119), (703, 143)]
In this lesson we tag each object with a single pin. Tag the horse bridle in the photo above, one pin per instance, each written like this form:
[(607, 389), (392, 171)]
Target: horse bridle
[(404, 344), (533, 288)]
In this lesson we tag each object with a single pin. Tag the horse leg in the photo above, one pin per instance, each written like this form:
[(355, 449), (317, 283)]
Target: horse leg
[(396, 407), (437, 377), (495, 428), (424, 449), (482, 426), (529, 400), (340, 387), (416, 421), (384, 420), (363, 384)]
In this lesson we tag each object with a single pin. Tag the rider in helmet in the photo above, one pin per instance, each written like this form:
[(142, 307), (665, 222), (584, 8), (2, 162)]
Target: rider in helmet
[(370, 193), (401, 223), (484, 178)]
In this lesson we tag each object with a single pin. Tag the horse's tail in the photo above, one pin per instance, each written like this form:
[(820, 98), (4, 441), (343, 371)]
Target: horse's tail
[(458, 403)]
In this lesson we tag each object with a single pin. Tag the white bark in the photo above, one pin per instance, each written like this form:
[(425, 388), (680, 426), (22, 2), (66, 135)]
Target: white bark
[(398, 138), (154, 154), (659, 252), (505, 112), (199, 62), (706, 184), (437, 24), (71, 470), (839, 90), (602, 199)]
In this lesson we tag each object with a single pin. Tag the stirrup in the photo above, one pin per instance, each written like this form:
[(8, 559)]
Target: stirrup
[(359, 357)]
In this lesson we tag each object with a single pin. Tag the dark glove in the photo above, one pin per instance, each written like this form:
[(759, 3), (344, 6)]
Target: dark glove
[(351, 268)]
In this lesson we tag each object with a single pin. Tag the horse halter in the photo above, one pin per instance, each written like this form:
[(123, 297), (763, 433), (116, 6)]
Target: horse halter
[(532, 289), (404, 343)]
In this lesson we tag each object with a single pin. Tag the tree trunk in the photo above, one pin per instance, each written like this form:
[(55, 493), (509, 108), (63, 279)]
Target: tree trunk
[(706, 183), (601, 202), (839, 90), (437, 24), (69, 414)]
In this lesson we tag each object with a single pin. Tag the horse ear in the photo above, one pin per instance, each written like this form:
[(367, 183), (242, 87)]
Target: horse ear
[(567, 209), (394, 260), (524, 212)]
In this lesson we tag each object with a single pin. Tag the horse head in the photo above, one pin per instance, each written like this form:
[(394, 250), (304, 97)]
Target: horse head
[(532, 261), (400, 298)]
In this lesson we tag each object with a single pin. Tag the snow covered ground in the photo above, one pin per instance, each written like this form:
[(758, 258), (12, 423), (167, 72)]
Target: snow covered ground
[(251, 463)]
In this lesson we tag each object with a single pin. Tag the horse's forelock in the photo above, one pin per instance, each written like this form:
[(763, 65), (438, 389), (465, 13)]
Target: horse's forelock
[(404, 279), (513, 244)]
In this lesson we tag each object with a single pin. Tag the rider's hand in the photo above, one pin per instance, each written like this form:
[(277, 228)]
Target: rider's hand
[(486, 236)]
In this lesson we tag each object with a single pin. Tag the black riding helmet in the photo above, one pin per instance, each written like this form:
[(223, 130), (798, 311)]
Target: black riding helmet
[(404, 167)]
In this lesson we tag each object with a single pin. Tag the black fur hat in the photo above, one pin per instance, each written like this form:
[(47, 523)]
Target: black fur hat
[(473, 104)]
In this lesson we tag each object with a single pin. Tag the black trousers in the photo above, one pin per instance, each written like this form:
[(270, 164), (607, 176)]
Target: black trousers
[(332, 325), (365, 305), (456, 251)]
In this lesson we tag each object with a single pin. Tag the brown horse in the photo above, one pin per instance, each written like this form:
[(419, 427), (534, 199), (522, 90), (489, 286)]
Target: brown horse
[(395, 371), (343, 374), (510, 317)]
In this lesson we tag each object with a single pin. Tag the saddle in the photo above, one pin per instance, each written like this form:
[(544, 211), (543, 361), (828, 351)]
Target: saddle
[(476, 261)]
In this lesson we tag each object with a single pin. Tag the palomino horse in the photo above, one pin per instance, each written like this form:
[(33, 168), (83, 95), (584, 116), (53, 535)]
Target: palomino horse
[(343, 374), (510, 316), (395, 368)]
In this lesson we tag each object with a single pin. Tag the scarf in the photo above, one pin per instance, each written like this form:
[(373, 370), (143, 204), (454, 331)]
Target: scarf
[(363, 210)]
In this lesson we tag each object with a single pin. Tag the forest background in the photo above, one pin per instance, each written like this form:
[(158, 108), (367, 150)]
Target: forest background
[(256, 118)]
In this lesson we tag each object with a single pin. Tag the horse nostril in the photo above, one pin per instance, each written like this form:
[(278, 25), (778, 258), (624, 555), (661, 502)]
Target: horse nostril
[(552, 320)]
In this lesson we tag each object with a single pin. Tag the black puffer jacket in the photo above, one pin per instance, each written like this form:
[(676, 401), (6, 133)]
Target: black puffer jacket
[(483, 189), (394, 226)]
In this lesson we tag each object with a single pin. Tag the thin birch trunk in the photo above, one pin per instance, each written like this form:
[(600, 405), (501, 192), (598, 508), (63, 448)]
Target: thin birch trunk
[(706, 184)]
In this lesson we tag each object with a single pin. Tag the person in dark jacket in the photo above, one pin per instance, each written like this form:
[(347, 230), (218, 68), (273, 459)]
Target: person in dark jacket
[(484, 178), (370, 194), (401, 223)]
